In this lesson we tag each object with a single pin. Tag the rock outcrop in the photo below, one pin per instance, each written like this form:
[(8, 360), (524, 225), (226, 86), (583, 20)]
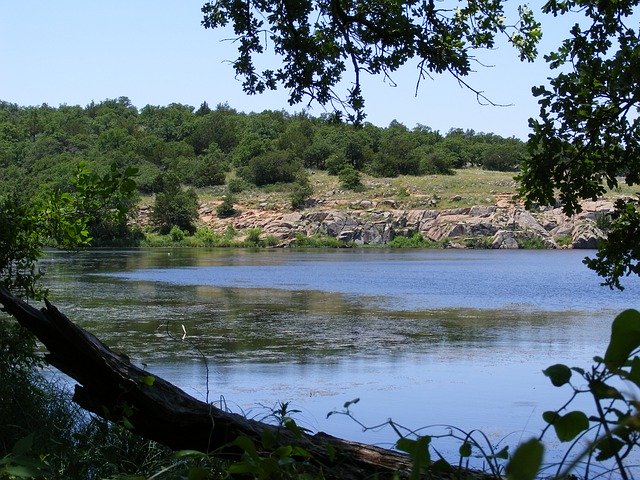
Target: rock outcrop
[(504, 225)]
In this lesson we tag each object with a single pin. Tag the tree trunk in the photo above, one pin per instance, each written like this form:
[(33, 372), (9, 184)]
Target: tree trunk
[(114, 389)]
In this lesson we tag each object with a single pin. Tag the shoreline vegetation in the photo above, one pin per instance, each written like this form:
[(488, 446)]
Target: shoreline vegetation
[(219, 177), (474, 209)]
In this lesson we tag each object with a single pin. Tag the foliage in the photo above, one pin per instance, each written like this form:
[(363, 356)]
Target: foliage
[(588, 133), (98, 204), (619, 255), (414, 241), (318, 41), (174, 206), (271, 167), (318, 241), (226, 208), (236, 185), (301, 189), (350, 179), (613, 429)]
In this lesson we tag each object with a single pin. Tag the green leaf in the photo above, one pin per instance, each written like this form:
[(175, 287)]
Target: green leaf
[(502, 454), (20, 471), (418, 450), (550, 417), (241, 468), (634, 373), (268, 439), (198, 473), (23, 446), (625, 338), (284, 451), (149, 380), (246, 444), (559, 374), (525, 461), (569, 426), (601, 390), (608, 447), (189, 454)]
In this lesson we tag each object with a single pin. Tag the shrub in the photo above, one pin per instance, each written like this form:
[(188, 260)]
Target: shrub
[(271, 167), (253, 236), (207, 170), (414, 241), (226, 208), (318, 241), (563, 240), (236, 185), (350, 178), (175, 207), (300, 191), (335, 163), (177, 234)]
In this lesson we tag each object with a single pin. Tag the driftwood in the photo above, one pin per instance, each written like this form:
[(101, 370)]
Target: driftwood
[(112, 388)]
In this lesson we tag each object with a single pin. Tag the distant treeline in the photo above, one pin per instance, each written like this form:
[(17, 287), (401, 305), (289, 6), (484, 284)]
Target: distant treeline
[(41, 146)]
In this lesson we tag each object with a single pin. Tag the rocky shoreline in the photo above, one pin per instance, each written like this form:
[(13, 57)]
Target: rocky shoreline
[(504, 225)]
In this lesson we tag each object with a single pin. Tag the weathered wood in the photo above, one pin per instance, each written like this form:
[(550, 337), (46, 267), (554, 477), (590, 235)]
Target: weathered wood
[(111, 387)]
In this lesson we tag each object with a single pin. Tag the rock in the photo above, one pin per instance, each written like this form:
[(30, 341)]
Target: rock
[(481, 211), (387, 203), (346, 235), (586, 236), (504, 239), (456, 198)]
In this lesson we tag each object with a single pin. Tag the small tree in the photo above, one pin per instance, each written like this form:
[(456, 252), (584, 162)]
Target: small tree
[(350, 179), (300, 191), (226, 208), (174, 207)]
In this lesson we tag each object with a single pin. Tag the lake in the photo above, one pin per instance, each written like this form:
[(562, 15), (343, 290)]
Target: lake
[(437, 337)]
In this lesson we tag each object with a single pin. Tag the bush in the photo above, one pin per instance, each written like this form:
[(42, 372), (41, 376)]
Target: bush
[(207, 170), (350, 179), (177, 234), (300, 191), (415, 241), (435, 161), (253, 236), (226, 208), (335, 163), (318, 241), (271, 167), (174, 207), (236, 185)]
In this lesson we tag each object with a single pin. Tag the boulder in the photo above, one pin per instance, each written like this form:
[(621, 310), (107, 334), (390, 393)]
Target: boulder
[(586, 236), (504, 239)]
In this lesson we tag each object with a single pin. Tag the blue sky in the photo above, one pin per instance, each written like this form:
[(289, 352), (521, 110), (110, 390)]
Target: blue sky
[(156, 53)]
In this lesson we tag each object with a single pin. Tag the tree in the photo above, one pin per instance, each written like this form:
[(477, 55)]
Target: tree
[(587, 138), (174, 206), (318, 41)]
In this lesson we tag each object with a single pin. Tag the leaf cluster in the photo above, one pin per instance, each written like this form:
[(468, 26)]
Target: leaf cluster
[(320, 41)]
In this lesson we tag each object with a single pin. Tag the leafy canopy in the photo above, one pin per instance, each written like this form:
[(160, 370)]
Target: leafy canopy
[(319, 41), (587, 138)]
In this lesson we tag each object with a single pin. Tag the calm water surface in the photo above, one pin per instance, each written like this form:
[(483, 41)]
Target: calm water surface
[(423, 337)]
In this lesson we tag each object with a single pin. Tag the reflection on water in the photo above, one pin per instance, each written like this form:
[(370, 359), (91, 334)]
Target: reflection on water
[(451, 337)]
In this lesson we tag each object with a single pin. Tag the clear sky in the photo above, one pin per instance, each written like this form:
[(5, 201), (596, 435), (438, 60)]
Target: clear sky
[(76, 51)]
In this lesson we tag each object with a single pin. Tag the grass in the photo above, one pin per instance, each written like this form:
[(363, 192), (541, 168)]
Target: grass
[(473, 187), (466, 188)]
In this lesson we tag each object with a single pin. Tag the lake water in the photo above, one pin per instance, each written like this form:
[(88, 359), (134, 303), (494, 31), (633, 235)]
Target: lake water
[(423, 337)]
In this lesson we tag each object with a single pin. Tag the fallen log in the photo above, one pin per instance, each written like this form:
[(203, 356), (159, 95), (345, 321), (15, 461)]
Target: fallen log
[(109, 386)]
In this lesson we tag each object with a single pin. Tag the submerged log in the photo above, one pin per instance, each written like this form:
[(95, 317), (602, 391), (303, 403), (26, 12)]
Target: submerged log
[(109, 386)]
